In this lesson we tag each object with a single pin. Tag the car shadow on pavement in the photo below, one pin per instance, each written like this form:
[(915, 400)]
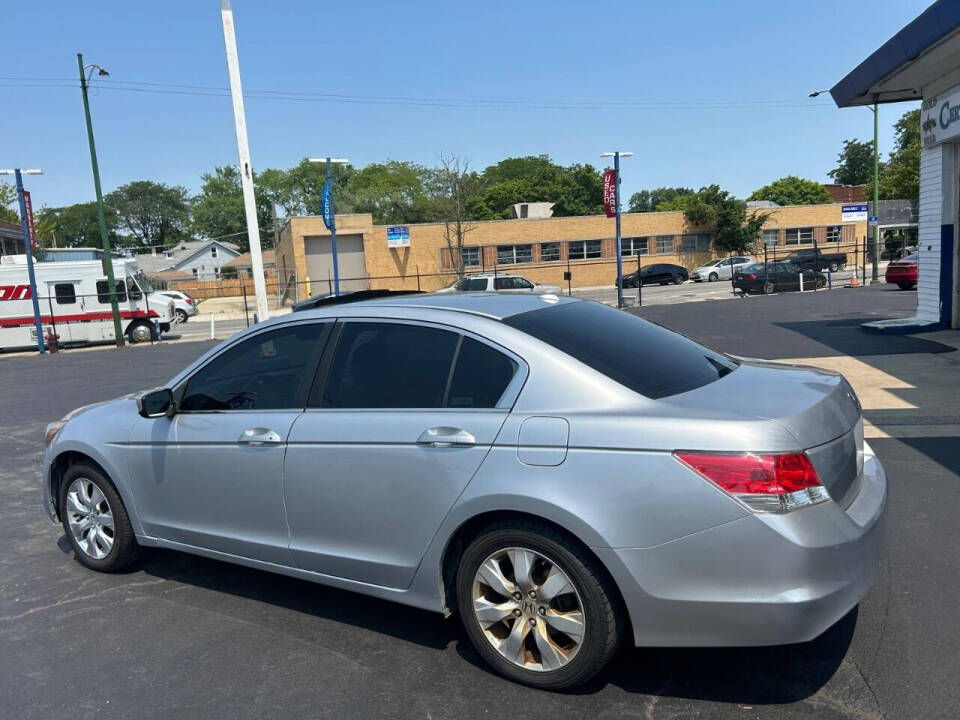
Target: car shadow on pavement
[(847, 336), (750, 676), (301, 596)]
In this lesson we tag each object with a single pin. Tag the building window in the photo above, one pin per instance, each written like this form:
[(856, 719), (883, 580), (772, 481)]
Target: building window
[(833, 234), (633, 246), (213, 251), (514, 254), (585, 249), (470, 256), (771, 237), (549, 252), (665, 244), (65, 293), (799, 236), (196, 272), (696, 242)]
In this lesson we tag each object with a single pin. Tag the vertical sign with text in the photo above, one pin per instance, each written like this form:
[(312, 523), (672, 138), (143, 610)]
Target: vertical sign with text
[(30, 230), (610, 193)]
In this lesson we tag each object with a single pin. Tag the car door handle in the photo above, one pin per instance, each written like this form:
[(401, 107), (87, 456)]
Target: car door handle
[(259, 436), (446, 437)]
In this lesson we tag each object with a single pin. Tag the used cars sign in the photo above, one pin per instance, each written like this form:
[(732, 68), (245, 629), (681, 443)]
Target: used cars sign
[(610, 193)]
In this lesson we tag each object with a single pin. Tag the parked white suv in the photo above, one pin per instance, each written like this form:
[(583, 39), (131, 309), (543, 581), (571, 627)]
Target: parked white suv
[(184, 306), (720, 269), (499, 282)]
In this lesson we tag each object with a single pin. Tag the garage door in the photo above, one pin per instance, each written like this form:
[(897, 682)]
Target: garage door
[(353, 269)]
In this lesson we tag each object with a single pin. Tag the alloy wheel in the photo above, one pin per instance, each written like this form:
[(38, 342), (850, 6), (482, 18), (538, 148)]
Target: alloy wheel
[(141, 333), (528, 609), (90, 518)]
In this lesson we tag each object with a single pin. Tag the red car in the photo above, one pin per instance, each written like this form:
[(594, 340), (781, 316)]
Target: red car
[(904, 272)]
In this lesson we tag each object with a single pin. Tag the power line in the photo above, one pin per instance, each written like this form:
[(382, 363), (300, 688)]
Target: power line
[(307, 96)]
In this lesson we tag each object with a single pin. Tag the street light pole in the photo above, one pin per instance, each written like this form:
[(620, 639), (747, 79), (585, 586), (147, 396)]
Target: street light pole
[(330, 216), (101, 213), (28, 250), (616, 199)]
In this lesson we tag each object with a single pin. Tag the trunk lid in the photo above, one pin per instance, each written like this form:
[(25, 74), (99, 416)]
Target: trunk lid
[(817, 407)]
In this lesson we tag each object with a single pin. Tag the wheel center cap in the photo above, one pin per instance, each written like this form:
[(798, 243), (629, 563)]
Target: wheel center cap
[(528, 607)]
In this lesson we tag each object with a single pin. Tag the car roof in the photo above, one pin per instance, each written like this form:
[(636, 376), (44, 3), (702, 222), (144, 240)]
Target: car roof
[(489, 275), (492, 305)]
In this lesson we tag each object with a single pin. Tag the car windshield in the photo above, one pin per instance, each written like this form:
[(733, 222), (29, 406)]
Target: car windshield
[(645, 357), (713, 263), (142, 281), (913, 257)]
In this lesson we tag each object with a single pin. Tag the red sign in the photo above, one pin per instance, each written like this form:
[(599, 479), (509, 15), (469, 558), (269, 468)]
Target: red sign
[(15, 292), (610, 193), (33, 235)]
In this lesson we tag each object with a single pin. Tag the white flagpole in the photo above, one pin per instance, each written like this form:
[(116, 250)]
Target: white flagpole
[(243, 148)]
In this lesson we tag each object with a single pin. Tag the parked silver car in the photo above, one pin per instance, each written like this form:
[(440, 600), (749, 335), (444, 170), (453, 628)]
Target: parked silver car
[(503, 457), (499, 282), (719, 269)]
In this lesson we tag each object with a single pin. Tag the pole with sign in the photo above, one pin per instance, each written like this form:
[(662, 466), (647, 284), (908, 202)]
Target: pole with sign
[(26, 221), (329, 215), (611, 206)]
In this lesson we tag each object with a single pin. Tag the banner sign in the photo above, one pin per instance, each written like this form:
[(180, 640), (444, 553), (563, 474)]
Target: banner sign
[(610, 193), (854, 213), (398, 236), (328, 216), (29, 205)]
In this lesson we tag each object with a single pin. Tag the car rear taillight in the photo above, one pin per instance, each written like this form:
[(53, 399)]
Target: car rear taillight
[(188, 301), (749, 276), (764, 483)]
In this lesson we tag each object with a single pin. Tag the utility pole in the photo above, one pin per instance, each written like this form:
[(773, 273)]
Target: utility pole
[(875, 277), (101, 213), (330, 215), (616, 198), (28, 250), (243, 150)]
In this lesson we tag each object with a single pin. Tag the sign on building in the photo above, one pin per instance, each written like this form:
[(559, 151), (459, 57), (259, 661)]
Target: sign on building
[(398, 236), (854, 213), (940, 117)]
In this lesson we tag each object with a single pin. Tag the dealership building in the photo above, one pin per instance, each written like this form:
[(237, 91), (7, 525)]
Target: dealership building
[(922, 62), (543, 249)]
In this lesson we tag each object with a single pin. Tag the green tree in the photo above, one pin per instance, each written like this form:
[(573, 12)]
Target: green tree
[(299, 190), (651, 200), (854, 164), (151, 213), (218, 210), (736, 230), (900, 175), (453, 186), (8, 201), (393, 192), (75, 225), (792, 190)]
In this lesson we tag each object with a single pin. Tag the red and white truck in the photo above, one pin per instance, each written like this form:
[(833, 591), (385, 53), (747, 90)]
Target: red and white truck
[(74, 300)]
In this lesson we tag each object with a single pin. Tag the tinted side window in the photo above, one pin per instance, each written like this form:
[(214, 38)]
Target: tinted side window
[(262, 373), (389, 365), (640, 355), (503, 283), (103, 292), (480, 377), (65, 293)]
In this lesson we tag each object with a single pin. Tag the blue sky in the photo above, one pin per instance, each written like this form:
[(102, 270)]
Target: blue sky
[(690, 54)]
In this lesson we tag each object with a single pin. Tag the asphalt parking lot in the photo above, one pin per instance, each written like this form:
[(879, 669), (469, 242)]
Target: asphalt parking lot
[(184, 637)]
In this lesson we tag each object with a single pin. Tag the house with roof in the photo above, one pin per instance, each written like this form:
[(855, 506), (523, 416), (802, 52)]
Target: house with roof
[(197, 259), (244, 265)]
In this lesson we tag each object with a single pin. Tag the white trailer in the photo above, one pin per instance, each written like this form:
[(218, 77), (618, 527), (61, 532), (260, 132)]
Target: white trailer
[(74, 300)]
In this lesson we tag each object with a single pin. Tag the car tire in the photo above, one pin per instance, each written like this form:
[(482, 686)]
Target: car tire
[(713, 277), (579, 597), (180, 316), (834, 267), (769, 288), (141, 331), (905, 286), (95, 521), (677, 279)]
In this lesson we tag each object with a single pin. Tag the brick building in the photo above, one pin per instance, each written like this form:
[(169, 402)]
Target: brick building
[(541, 249)]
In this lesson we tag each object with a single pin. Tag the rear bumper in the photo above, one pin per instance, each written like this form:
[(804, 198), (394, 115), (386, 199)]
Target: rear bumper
[(762, 579)]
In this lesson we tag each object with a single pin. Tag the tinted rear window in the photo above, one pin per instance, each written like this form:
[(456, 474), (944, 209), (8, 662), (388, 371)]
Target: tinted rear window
[(644, 357), (472, 285)]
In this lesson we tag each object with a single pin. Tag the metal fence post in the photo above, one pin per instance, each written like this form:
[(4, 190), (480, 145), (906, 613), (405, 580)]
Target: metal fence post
[(246, 310)]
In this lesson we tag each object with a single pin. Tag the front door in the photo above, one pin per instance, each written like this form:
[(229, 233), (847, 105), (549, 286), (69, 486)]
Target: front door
[(398, 427), (212, 475)]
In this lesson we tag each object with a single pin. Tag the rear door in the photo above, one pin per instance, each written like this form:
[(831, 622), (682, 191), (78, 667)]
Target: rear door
[(402, 415)]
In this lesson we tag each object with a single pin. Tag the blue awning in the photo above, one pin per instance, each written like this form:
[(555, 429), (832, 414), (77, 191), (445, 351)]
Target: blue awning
[(934, 25)]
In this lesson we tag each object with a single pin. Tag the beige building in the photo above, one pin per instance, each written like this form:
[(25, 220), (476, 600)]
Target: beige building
[(542, 249)]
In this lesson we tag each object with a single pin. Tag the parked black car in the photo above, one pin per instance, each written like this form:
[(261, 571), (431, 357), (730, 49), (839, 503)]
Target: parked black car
[(818, 260), (662, 274), (775, 277)]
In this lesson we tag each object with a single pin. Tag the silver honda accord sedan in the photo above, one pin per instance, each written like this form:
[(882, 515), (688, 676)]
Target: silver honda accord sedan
[(558, 473)]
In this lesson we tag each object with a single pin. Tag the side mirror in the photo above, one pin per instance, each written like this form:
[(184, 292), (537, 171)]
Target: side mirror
[(155, 403)]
